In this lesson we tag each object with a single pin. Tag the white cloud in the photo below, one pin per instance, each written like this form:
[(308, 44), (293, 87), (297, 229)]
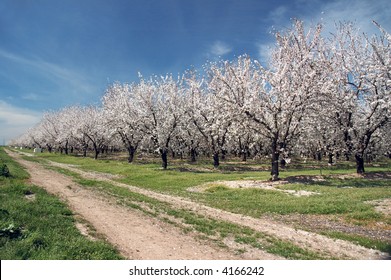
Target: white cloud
[(278, 14), (15, 121), (220, 48), (264, 52)]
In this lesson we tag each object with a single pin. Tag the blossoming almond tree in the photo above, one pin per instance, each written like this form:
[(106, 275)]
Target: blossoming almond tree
[(123, 115), (210, 118), (161, 100), (274, 98), (90, 127), (362, 94)]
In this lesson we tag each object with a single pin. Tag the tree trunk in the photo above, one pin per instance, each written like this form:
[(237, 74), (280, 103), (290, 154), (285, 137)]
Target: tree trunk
[(330, 162), (96, 150), (193, 154), (360, 163), (66, 147), (163, 153), (319, 156), (348, 141), (223, 154), (245, 153), (244, 156), (131, 152), (216, 161), (275, 161), (85, 148)]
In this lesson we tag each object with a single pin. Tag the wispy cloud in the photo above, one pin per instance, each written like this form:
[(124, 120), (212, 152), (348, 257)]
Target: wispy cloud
[(278, 14), (264, 52), (62, 76), (329, 13), (220, 48), (31, 97), (15, 120), (360, 12)]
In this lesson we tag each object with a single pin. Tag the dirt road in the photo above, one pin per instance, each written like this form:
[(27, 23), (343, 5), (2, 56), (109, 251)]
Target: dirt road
[(140, 237), (135, 235)]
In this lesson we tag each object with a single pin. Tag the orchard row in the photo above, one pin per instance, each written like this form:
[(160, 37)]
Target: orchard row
[(319, 94)]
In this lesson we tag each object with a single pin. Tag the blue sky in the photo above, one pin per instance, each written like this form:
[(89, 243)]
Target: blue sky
[(60, 53)]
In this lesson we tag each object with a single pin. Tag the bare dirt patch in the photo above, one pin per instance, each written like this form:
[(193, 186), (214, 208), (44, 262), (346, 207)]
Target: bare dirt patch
[(322, 223), (303, 179), (245, 184), (377, 175), (93, 174), (26, 154), (370, 176), (383, 206)]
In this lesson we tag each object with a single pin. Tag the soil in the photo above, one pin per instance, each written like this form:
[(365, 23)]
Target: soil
[(138, 236), (383, 205), (267, 185), (324, 223)]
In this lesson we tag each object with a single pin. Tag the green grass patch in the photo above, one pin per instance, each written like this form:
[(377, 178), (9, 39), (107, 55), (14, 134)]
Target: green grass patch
[(329, 200), (336, 196)]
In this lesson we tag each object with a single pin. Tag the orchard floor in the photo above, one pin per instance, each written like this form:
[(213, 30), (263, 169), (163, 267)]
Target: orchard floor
[(139, 236)]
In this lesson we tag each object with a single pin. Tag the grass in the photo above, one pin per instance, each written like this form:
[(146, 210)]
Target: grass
[(190, 221), (36, 225), (360, 240), (337, 196), (347, 198), (329, 200)]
